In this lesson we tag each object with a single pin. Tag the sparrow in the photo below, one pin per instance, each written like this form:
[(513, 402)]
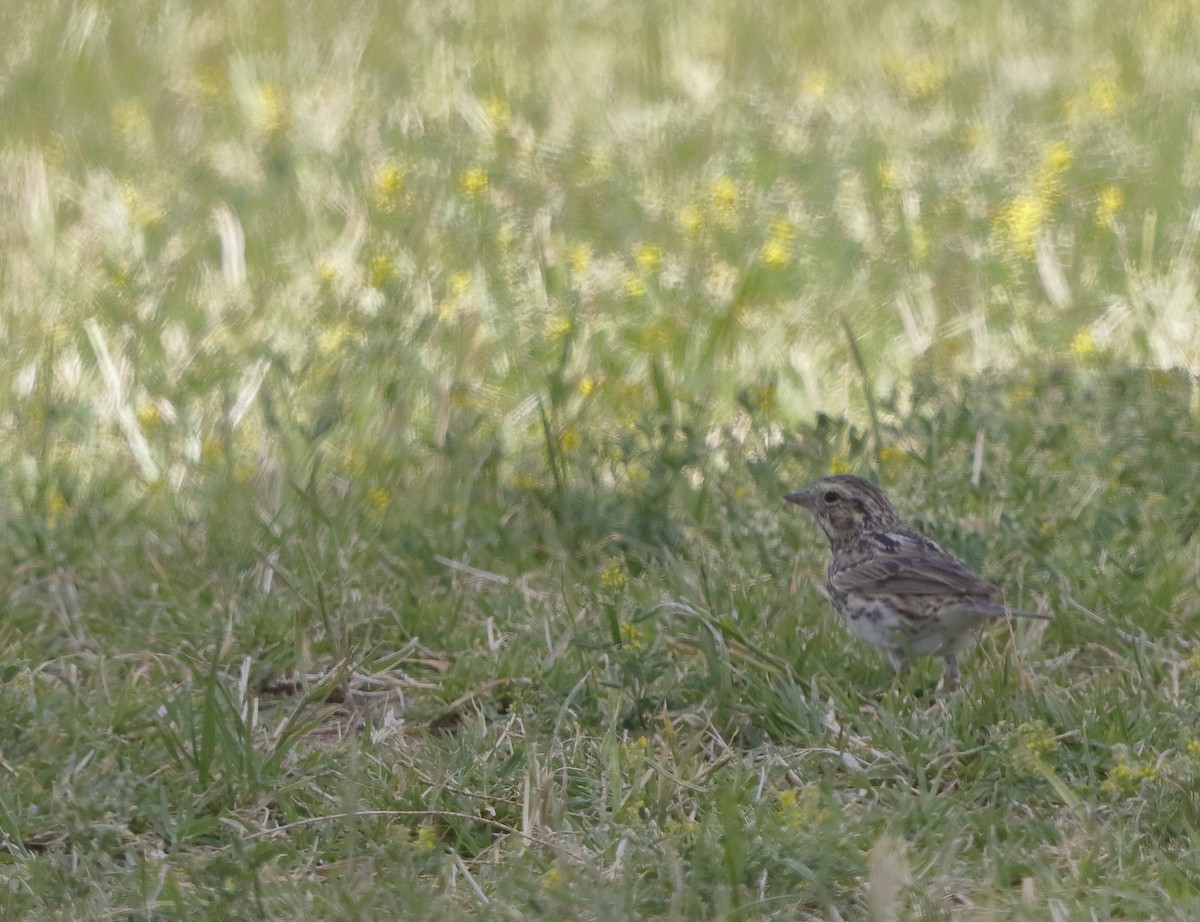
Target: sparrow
[(893, 587)]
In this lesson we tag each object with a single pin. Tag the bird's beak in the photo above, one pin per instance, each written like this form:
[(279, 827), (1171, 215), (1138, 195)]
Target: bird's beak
[(803, 498)]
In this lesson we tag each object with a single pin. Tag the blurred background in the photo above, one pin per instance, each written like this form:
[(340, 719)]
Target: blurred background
[(466, 336)]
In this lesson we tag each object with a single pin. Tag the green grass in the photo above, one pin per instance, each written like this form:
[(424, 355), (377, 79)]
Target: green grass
[(398, 405)]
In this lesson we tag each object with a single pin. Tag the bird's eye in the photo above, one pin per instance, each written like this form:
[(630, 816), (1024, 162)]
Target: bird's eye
[(831, 497)]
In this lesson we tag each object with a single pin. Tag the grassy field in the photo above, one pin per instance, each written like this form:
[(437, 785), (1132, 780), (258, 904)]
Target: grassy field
[(397, 403)]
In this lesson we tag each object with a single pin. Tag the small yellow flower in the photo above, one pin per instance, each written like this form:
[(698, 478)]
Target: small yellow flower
[(774, 254), (460, 281), (1020, 222), (269, 114), (635, 287), (923, 77), (426, 839), (448, 311), (148, 416), (382, 271), (725, 194), (798, 810), (497, 110), (638, 747), (1057, 158), (587, 385), (613, 576), (783, 230), (569, 440), (379, 498), (559, 327), (1109, 202), (327, 273), (579, 257), (892, 454), (389, 181), (1083, 344), (649, 257), (632, 635), (1193, 750), (1126, 777), (839, 465), (691, 219), (473, 182), (332, 337)]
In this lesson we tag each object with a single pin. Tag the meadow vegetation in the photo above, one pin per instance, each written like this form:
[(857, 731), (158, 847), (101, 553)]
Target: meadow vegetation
[(396, 405)]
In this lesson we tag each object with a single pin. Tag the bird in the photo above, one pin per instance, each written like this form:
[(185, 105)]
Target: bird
[(897, 589)]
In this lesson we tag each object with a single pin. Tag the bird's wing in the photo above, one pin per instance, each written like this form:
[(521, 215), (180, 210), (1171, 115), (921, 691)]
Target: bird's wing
[(907, 563)]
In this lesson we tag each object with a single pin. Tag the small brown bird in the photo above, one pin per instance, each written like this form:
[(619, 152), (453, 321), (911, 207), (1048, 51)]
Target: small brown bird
[(893, 587)]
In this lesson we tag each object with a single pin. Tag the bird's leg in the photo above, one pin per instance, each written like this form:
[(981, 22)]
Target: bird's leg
[(951, 676)]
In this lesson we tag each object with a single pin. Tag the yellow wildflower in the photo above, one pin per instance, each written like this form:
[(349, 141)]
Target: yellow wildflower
[(426, 839), (1020, 222), (389, 180), (1083, 344), (725, 194), (691, 220), (774, 254), (497, 110), (631, 635), (559, 327), (892, 454), (268, 112), (473, 182), (649, 257), (613, 576), (382, 271), (579, 257)]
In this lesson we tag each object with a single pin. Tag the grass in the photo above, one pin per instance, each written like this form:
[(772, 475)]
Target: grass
[(399, 405)]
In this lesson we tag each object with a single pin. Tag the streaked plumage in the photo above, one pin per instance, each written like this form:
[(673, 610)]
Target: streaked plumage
[(893, 587)]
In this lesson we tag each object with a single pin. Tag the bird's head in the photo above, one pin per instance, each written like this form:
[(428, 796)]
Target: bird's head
[(846, 506)]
